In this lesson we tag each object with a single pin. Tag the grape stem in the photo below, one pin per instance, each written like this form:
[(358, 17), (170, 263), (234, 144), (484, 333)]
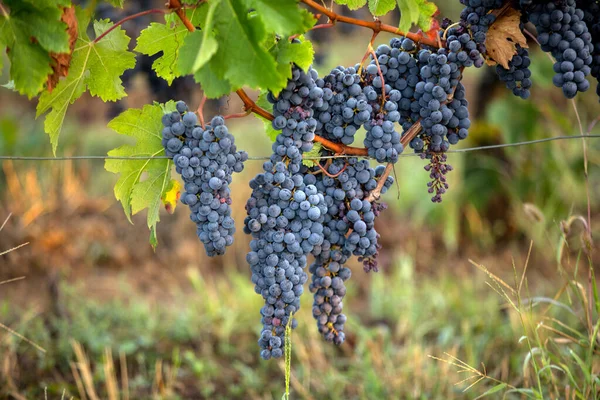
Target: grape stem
[(200, 111), (237, 115), (128, 18), (251, 106), (320, 26), (178, 8), (375, 26)]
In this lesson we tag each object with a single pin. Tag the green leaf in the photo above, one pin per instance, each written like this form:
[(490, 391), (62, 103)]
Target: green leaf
[(241, 55), (301, 54), (142, 183), (418, 12), (214, 85), (352, 4), (283, 16), (94, 66), (30, 32), (199, 46), (426, 13), (310, 158), (262, 102), (495, 389), (287, 53), (117, 3), (381, 7)]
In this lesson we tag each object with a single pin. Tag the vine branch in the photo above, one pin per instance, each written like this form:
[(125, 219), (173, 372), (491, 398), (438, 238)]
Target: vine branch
[(128, 18), (178, 8), (375, 26)]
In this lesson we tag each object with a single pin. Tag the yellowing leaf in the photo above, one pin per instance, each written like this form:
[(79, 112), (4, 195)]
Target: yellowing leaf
[(171, 196), (503, 37), (143, 182)]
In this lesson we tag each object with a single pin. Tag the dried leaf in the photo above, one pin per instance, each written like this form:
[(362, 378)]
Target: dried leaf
[(61, 61), (503, 37)]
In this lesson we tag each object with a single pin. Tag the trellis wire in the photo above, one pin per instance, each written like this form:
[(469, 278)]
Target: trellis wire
[(265, 158)]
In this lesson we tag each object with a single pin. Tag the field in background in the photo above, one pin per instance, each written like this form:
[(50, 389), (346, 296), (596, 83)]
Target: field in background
[(118, 320)]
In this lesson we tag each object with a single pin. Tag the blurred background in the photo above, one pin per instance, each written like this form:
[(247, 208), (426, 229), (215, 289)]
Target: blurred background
[(119, 320)]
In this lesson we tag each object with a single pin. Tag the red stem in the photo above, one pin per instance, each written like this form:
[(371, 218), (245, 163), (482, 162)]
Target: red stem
[(128, 18), (238, 115), (178, 7), (200, 110), (376, 26)]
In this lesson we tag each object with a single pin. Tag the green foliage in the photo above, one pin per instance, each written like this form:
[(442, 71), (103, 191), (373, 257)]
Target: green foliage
[(381, 7), (287, 53), (262, 102), (168, 38), (199, 46), (30, 32), (142, 183), (233, 48), (283, 16), (418, 12), (96, 67), (352, 4)]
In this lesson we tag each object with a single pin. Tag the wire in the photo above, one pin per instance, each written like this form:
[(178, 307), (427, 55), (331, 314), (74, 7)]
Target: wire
[(265, 158)]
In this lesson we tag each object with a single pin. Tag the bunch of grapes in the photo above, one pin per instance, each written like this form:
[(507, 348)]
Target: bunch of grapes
[(518, 75), (206, 158), (285, 212), (562, 31), (591, 16)]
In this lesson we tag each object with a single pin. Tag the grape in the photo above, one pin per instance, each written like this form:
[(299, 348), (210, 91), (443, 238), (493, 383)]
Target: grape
[(562, 31), (591, 10), (518, 76), (206, 173)]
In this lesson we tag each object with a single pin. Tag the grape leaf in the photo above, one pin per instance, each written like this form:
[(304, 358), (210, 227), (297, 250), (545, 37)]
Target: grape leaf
[(419, 12), (309, 159), (262, 102), (427, 11), (30, 32), (241, 55), (96, 67), (283, 16), (199, 46), (287, 53), (381, 7), (141, 183), (503, 37), (117, 3), (167, 38), (214, 84), (352, 4)]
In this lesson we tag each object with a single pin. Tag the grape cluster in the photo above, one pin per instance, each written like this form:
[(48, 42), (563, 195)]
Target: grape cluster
[(285, 212), (462, 49), (348, 229), (591, 11), (345, 106), (562, 31), (206, 158), (518, 76)]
